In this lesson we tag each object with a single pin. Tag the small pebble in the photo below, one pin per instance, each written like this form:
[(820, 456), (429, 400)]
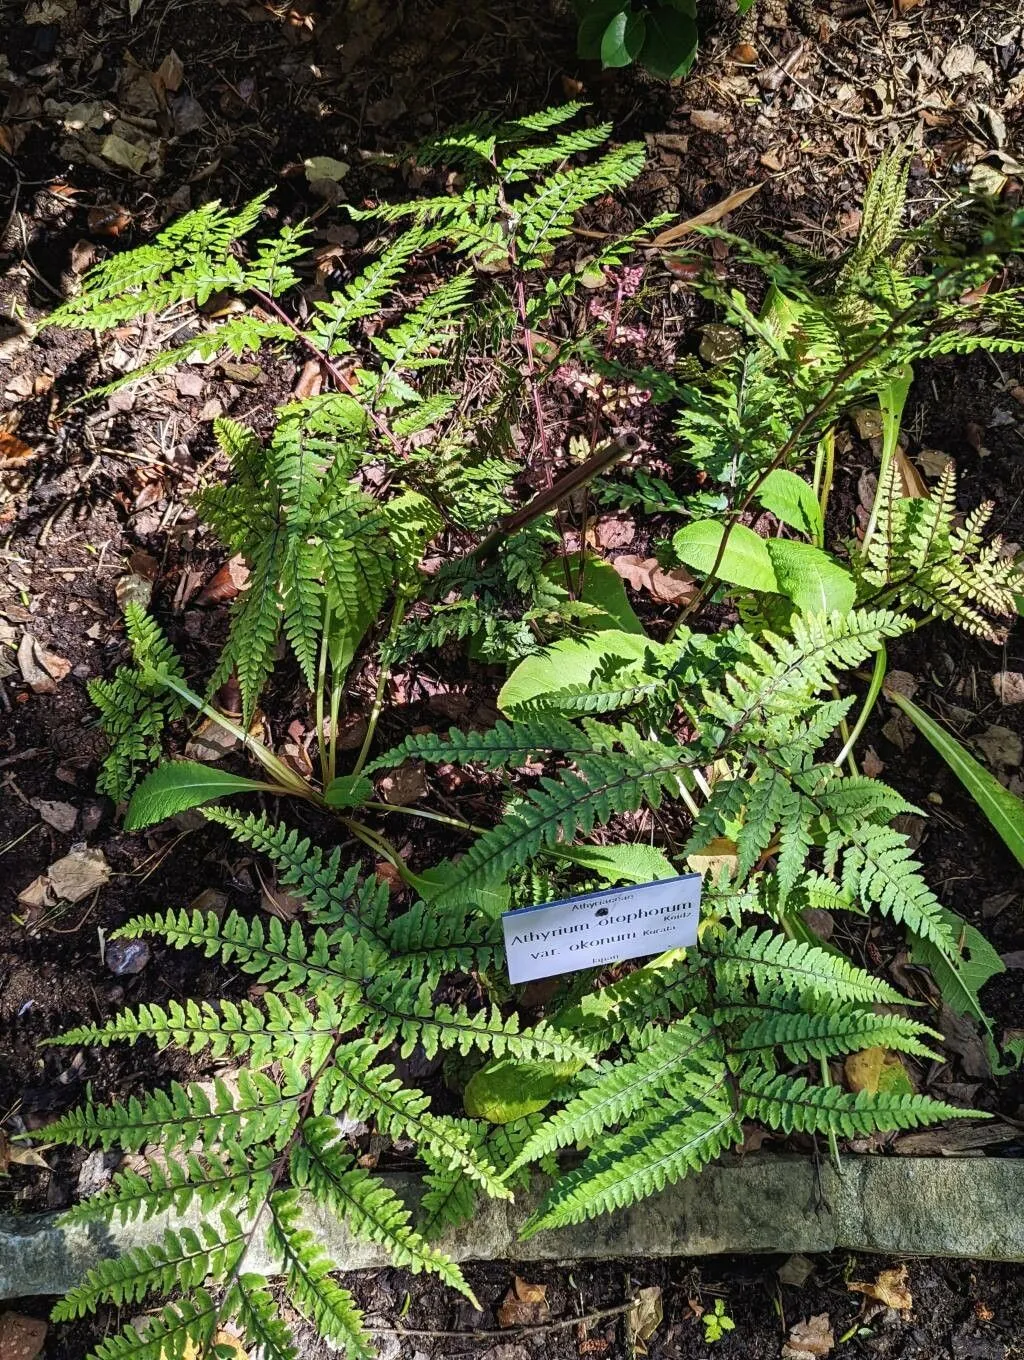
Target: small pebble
[(126, 956)]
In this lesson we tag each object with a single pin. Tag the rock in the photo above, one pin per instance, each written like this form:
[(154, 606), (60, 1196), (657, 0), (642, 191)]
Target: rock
[(968, 1207), (96, 1172), (61, 816), (124, 957), (21, 1337)]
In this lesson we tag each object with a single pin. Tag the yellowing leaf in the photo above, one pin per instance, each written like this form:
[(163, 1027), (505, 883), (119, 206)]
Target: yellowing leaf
[(717, 855), (227, 1345), (890, 1289), (525, 1305), (877, 1070)]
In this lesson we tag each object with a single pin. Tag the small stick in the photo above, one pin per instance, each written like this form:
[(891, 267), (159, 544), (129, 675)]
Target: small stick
[(499, 1333), (605, 457)]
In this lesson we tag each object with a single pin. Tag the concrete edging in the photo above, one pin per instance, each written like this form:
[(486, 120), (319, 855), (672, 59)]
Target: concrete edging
[(926, 1206)]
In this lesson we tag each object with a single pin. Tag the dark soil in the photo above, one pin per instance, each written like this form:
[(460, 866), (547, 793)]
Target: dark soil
[(961, 1311), (106, 492)]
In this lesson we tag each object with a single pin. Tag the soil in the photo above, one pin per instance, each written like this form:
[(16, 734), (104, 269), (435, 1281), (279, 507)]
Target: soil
[(961, 1311), (105, 493)]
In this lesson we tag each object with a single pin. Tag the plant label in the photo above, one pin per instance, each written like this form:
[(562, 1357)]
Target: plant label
[(601, 927)]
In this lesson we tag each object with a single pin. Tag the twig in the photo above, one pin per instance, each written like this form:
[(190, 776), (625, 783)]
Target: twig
[(605, 457), (492, 1334)]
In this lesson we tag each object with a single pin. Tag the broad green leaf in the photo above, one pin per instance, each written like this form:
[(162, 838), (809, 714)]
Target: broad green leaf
[(671, 43), (620, 863), (814, 581), (623, 38), (594, 20), (348, 791), (745, 561), (790, 498), (180, 785), (602, 588), (508, 1088), (572, 661), (1003, 809), (961, 979)]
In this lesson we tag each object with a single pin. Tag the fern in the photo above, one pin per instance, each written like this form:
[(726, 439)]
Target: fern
[(416, 442), (921, 557)]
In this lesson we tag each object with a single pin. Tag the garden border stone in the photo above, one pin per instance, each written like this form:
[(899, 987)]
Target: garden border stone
[(906, 1206)]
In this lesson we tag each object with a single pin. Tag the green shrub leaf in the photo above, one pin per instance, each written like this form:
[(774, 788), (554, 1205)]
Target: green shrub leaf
[(671, 43), (348, 791), (810, 578), (1003, 809), (180, 785), (509, 1088), (746, 561), (623, 38), (790, 498), (572, 661)]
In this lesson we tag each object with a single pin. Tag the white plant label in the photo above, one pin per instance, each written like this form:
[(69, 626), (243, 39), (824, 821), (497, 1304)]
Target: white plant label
[(601, 927)]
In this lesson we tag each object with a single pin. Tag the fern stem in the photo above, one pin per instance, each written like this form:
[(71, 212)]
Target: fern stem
[(823, 469), (833, 1143), (290, 781), (430, 816), (382, 679), (874, 690), (324, 747)]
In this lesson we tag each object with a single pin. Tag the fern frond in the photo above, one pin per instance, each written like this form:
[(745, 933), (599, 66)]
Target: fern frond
[(257, 1111), (793, 1104), (492, 748), (369, 1208), (770, 961), (803, 1036), (622, 1090), (308, 1272), (656, 1151), (184, 1259)]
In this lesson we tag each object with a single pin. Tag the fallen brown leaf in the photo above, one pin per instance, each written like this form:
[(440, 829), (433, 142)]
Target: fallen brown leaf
[(809, 1340), (407, 784), (41, 670), (108, 219), (310, 381), (13, 1154), (226, 583), (61, 816), (890, 1288), (1009, 687), (525, 1305), (76, 875), (644, 1318), (13, 451), (210, 742), (676, 586), (707, 120), (913, 483), (709, 216)]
